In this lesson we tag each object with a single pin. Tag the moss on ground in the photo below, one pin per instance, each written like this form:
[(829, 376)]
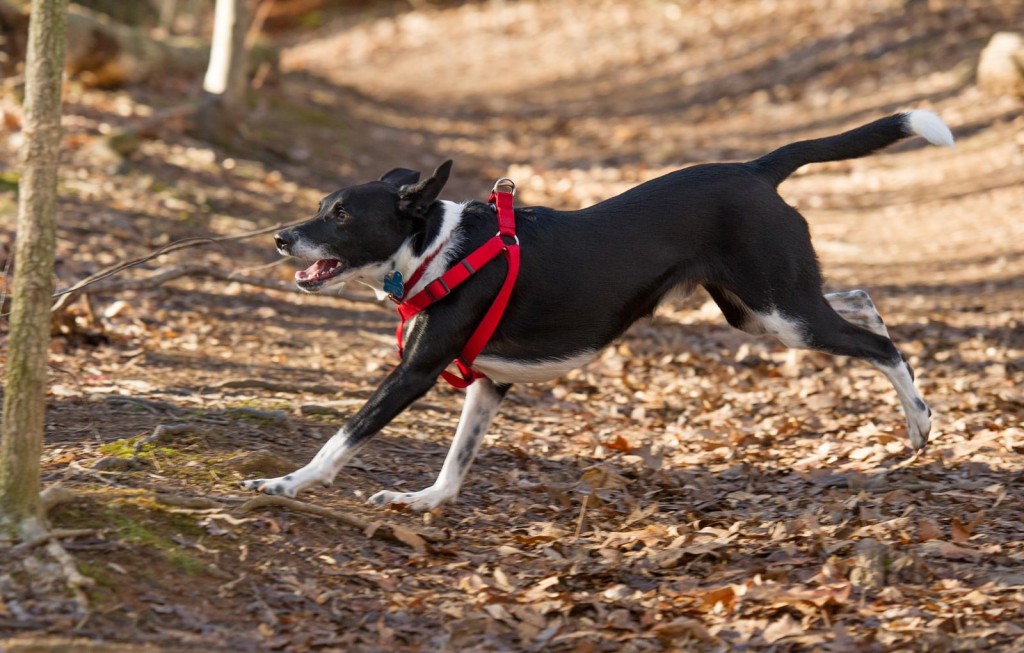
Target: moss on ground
[(137, 520)]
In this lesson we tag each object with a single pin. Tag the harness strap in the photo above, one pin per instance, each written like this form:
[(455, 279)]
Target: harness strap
[(418, 274), (451, 279), (505, 242)]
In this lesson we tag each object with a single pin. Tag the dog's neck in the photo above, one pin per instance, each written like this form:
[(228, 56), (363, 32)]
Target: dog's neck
[(440, 237)]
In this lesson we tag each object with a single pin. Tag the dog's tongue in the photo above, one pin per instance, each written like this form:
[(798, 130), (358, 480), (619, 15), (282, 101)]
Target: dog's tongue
[(319, 270)]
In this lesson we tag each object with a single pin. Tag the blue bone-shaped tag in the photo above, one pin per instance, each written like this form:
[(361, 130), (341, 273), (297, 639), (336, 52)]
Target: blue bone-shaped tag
[(394, 284)]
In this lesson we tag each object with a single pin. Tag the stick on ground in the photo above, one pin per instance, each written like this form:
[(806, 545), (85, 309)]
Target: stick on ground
[(385, 530)]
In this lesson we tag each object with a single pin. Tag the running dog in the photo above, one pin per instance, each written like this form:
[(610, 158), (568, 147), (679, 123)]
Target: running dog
[(585, 277)]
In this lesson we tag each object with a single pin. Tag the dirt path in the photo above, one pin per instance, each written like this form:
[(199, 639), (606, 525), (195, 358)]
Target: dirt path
[(738, 499)]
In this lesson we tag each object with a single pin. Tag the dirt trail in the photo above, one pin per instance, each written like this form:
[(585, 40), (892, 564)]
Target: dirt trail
[(736, 498)]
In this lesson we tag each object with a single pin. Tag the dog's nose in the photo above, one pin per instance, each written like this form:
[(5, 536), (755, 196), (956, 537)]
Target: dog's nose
[(284, 240)]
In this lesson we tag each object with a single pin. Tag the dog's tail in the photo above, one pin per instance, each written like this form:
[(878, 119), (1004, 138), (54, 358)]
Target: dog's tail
[(855, 143)]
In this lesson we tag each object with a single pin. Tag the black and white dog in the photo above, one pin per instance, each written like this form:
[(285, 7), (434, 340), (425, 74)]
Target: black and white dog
[(586, 277)]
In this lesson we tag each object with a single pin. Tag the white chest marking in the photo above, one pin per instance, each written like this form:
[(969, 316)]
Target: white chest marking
[(507, 370), (406, 262)]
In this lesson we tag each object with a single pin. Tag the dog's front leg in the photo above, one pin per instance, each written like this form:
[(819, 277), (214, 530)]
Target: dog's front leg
[(482, 400), (404, 385)]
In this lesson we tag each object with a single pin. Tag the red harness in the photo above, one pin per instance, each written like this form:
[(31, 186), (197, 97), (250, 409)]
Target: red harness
[(504, 242)]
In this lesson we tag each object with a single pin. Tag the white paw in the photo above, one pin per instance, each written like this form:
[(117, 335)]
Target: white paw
[(919, 425), (286, 486), (421, 501)]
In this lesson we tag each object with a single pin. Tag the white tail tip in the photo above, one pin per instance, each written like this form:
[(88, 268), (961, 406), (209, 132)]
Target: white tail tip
[(929, 126)]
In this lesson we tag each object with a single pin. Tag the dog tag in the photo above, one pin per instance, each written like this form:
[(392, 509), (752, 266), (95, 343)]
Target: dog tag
[(394, 284)]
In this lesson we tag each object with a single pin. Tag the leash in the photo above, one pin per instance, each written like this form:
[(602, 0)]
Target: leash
[(505, 242)]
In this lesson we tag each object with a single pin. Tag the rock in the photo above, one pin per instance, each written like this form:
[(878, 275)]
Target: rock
[(1001, 65)]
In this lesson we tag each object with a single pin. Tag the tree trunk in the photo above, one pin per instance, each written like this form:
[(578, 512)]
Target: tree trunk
[(224, 88), (21, 442)]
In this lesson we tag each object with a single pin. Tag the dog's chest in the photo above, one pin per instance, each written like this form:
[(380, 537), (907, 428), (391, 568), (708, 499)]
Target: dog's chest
[(511, 370)]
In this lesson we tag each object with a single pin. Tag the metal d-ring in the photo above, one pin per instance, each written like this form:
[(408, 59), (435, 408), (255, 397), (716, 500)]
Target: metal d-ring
[(502, 184)]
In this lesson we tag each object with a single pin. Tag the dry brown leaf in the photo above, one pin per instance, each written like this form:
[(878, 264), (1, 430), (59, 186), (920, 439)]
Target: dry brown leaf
[(724, 596), (409, 537), (787, 626), (683, 628), (950, 550), (372, 529), (502, 581), (962, 532), (927, 529), (619, 444), (602, 478)]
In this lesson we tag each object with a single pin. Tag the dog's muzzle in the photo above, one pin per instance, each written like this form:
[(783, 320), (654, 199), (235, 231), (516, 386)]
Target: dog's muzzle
[(284, 241)]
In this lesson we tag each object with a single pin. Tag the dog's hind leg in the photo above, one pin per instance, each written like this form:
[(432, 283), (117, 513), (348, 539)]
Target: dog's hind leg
[(736, 313), (814, 324), (482, 400), (855, 306)]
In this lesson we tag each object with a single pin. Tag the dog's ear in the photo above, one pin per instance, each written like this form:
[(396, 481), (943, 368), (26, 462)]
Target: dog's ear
[(416, 200), (400, 177)]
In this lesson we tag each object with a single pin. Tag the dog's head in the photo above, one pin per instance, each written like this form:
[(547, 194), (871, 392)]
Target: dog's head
[(358, 231)]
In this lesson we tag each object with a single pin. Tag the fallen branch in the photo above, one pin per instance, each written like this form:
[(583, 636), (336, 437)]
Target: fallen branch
[(69, 294), (163, 275), (74, 468), (190, 503), (375, 529)]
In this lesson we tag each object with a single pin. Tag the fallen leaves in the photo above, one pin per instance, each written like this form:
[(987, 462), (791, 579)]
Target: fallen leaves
[(694, 489), (961, 532)]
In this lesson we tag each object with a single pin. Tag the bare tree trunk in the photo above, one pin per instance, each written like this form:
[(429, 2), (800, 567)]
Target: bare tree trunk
[(227, 75), (28, 348)]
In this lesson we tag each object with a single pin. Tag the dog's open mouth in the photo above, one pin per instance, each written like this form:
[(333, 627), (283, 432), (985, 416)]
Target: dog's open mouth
[(317, 274)]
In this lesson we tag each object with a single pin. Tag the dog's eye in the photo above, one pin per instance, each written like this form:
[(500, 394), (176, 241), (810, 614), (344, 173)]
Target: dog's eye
[(340, 213)]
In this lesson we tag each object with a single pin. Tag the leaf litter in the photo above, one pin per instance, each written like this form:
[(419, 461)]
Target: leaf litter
[(694, 489)]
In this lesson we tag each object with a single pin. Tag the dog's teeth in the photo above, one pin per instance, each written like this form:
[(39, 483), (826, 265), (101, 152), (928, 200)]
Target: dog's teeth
[(322, 269)]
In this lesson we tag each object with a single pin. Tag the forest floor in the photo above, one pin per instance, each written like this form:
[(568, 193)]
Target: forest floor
[(694, 489)]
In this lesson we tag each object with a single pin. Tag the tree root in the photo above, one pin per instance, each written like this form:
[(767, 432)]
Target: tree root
[(76, 582), (54, 496), (36, 532), (47, 536)]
